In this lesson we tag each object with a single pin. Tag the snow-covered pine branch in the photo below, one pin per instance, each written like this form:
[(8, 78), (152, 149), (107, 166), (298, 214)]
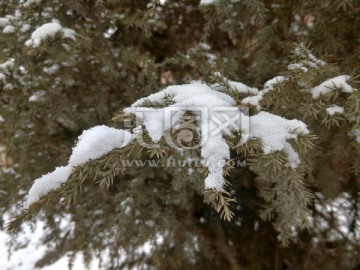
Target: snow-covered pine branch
[(210, 106)]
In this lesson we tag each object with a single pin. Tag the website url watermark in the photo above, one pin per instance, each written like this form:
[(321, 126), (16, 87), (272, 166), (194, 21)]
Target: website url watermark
[(182, 163)]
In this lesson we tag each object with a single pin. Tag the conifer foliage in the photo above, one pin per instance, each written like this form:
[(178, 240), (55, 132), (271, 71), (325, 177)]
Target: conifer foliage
[(224, 134)]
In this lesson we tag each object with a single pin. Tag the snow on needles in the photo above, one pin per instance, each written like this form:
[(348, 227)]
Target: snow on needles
[(330, 85), (96, 142), (272, 130), (237, 87), (207, 104), (49, 30), (335, 109), (208, 2), (216, 117), (46, 183), (92, 144), (268, 86)]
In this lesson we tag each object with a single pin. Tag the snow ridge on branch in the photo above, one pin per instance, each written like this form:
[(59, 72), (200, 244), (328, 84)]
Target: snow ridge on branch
[(218, 118)]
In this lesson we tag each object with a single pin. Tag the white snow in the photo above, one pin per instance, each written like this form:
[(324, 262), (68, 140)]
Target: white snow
[(46, 183), (2, 119), (51, 70), (206, 104), (293, 157), (5, 68), (203, 101), (205, 46), (29, 249), (196, 97), (93, 143), (4, 22), (268, 86), (26, 27), (340, 211), (8, 86), (335, 109), (213, 152), (189, 95), (211, 58), (9, 29), (49, 30), (216, 115), (330, 85), (7, 65), (28, 3), (96, 142), (238, 87), (297, 66), (35, 97), (274, 132), (310, 62), (355, 133), (208, 2)]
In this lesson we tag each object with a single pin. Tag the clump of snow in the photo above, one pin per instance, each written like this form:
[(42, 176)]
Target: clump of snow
[(5, 68), (213, 152), (46, 183), (208, 2), (96, 142), (330, 85), (49, 30), (35, 97), (7, 65), (274, 132), (268, 86), (335, 109), (235, 86), (8, 86), (305, 65), (205, 46), (204, 102), (355, 133), (296, 28), (4, 22), (297, 66), (2, 119), (192, 97), (211, 58), (51, 70), (28, 3), (93, 143), (26, 27), (309, 61), (293, 157), (9, 29)]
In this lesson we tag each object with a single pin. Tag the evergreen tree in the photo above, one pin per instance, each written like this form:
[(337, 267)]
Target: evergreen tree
[(71, 69)]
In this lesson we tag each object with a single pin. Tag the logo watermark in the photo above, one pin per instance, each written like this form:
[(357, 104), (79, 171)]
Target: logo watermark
[(187, 128)]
